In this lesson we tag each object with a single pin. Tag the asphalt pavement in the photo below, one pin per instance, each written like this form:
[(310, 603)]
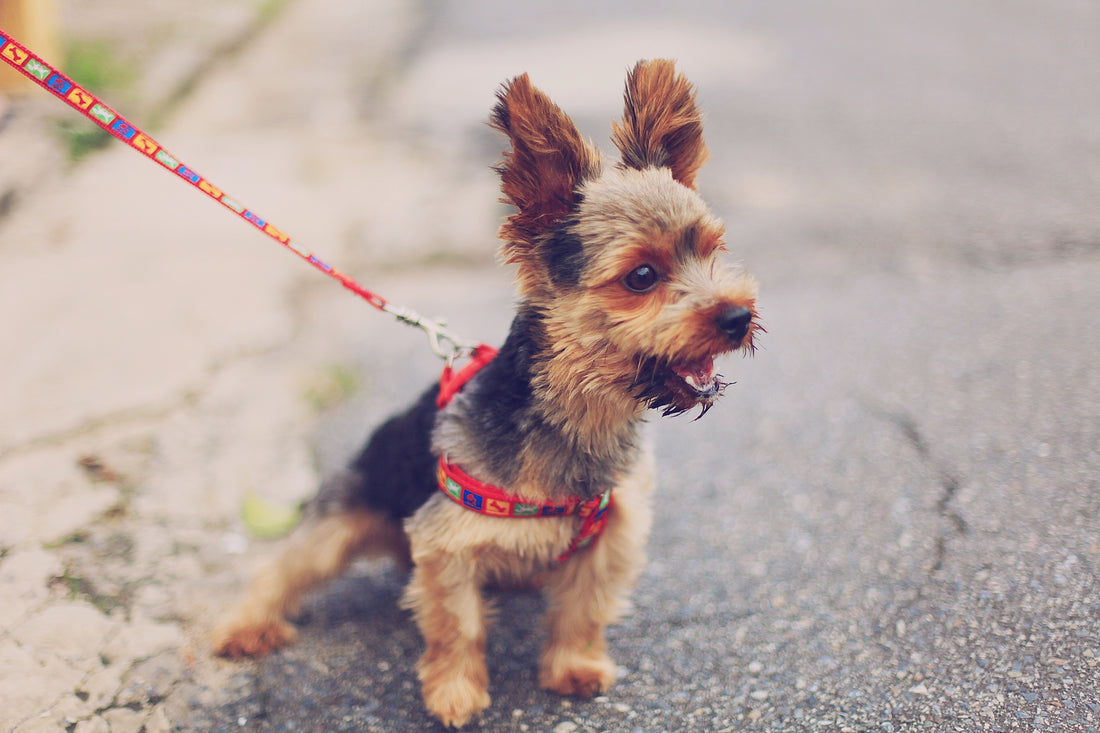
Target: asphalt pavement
[(889, 523)]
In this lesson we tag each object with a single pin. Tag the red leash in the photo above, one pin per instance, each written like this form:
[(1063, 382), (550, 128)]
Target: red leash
[(443, 342)]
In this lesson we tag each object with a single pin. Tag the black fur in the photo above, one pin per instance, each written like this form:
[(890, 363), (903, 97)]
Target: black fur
[(502, 415), (563, 254), (500, 397), (687, 246), (394, 473)]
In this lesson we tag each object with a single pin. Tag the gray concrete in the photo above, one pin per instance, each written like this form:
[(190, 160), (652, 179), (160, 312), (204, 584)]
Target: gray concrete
[(890, 522)]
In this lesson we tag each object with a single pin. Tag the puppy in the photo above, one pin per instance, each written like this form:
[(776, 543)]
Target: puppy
[(527, 466)]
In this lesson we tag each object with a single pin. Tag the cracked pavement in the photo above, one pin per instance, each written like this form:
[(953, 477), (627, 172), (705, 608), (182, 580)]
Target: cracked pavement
[(890, 522)]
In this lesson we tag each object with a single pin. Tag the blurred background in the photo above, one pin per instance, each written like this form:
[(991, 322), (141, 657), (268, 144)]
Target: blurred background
[(890, 521)]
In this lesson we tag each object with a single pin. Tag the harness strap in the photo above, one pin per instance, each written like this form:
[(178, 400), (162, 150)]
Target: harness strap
[(493, 501), (451, 383)]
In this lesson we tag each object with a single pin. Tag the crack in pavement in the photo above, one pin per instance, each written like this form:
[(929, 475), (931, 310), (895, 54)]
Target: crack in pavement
[(119, 418), (949, 484), (185, 397)]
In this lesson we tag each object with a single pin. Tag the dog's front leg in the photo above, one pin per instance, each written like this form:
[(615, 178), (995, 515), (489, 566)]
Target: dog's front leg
[(585, 596), (445, 597), (575, 660), (590, 591)]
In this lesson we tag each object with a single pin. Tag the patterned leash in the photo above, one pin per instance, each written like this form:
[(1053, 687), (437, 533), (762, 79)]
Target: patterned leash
[(444, 343)]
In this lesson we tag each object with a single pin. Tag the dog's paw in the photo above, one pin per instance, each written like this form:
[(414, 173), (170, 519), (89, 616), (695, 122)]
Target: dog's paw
[(456, 700), (236, 640), (569, 672)]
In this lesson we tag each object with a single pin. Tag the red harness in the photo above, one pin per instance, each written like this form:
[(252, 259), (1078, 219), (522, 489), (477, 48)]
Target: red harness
[(493, 501)]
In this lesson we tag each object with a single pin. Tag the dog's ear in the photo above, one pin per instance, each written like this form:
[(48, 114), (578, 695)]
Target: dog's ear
[(546, 164), (661, 125)]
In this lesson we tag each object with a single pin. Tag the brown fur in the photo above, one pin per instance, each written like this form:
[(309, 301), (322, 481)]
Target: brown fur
[(624, 306), (661, 126), (540, 175)]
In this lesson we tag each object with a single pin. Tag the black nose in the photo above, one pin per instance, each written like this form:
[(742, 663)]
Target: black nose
[(734, 322)]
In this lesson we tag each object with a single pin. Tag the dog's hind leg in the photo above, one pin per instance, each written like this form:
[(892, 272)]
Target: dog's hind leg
[(319, 550)]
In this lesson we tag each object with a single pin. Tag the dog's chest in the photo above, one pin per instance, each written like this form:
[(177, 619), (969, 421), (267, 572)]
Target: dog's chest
[(510, 550)]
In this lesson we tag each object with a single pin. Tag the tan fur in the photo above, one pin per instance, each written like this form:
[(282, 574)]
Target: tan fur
[(457, 553), (595, 354), (590, 591), (319, 551), (446, 601)]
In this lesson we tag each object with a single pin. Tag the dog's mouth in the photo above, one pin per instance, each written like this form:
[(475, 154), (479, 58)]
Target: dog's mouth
[(699, 377), (679, 386)]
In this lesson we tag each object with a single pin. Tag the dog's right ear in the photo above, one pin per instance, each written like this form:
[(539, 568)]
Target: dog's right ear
[(547, 163)]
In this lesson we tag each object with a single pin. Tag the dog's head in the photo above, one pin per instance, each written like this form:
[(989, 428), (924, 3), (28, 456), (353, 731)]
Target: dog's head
[(623, 263)]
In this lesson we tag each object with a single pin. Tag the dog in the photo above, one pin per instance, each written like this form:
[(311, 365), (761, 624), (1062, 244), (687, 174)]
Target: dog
[(528, 467)]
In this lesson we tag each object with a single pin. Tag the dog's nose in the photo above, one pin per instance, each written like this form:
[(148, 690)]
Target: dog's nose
[(734, 322)]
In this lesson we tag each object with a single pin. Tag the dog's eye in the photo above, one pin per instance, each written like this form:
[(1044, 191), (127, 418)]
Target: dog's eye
[(641, 279)]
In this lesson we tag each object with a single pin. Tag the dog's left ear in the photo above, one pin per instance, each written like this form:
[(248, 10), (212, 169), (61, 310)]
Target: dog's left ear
[(661, 125)]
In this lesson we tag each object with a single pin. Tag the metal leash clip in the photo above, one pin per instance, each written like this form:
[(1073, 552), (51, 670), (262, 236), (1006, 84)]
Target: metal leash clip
[(444, 343)]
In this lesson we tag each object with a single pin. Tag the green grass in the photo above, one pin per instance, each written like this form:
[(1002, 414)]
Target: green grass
[(78, 587), (332, 386), (268, 9), (95, 66)]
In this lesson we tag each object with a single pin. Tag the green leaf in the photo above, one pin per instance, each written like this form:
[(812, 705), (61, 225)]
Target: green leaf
[(267, 520)]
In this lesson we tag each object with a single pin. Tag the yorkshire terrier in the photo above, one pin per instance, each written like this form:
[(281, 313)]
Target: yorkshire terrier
[(527, 468)]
